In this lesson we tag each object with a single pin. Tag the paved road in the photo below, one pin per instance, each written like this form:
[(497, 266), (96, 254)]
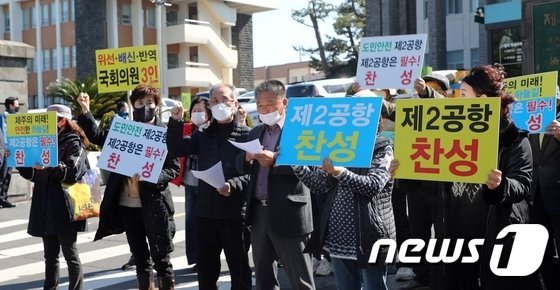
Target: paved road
[(22, 263)]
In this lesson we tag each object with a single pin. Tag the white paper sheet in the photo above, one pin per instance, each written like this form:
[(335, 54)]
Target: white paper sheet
[(253, 147), (213, 175)]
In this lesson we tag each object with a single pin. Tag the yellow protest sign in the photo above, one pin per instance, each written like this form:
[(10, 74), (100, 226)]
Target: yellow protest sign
[(32, 139), (447, 139), (122, 69), (533, 86)]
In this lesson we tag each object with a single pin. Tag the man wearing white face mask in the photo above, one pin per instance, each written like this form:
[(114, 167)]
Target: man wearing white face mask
[(219, 212), (278, 206)]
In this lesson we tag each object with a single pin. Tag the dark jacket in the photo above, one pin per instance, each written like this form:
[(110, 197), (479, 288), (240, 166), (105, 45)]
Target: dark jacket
[(546, 171), (508, 204), (211, 146), (157, 203), (373, 189), (49, 214), (289, 201)]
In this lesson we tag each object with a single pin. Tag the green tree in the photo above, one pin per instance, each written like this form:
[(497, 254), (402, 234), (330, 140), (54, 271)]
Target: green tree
[(342, 50), (316, 10), (69, 90)]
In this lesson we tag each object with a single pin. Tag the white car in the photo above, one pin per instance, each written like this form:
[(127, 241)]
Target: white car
[(320, 88), (166, 105)]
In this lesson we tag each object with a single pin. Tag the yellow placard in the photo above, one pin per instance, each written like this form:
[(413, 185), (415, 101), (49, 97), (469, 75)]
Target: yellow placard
[(35, 124), (122, 69), (447, 139), (535, 86)]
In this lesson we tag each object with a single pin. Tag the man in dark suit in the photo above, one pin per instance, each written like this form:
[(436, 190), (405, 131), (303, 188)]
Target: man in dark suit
[(546, 195), (278, 206)]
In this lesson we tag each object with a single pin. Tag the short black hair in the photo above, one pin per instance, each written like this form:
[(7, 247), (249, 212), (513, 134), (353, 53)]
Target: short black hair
[(120, 105), (10, 101), (206, 102)]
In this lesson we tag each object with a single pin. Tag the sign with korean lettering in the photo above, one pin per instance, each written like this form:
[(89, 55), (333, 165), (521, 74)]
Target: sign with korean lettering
[(390, 61), (122, 69), (447, 139), (32, 139), (535, 107), (342, 129), (133, 147), (546, 36)]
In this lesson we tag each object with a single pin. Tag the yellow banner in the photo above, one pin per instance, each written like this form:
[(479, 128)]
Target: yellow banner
[(36, 124), (447, 139), (122, 69), (535, 86)]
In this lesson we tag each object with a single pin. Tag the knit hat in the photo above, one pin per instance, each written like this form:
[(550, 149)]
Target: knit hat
[(61, 111)]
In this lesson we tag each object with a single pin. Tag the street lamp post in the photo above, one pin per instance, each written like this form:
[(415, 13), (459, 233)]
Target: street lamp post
[(161, 45)]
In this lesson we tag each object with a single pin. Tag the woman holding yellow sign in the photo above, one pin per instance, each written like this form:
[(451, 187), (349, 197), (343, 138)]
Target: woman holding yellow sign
[(48, 217)]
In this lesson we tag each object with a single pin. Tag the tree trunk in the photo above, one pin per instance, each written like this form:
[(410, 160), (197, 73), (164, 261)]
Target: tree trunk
[(437, 38), (321, 47)]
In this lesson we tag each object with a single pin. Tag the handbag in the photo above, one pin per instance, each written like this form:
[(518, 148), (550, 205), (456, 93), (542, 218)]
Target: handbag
[(84, 197)]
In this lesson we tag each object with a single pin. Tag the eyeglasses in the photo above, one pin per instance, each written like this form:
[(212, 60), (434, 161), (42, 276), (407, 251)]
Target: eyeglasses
[(59, 118)]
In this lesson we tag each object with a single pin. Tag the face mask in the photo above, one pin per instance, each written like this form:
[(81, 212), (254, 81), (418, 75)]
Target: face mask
[(144, 114), (270, 118), (16, 109), (123, 114), (221, 112), (198, 118)]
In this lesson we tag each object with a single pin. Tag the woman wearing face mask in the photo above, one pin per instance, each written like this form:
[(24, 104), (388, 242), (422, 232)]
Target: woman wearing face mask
[(48, 217), (139, 208), (480, 211), (201, 115)]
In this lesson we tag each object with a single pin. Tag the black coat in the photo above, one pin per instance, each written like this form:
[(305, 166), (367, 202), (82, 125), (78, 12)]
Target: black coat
[(508, 205), (157, 202), (49, 214), (546, 171), (289, 201), (211, 146)]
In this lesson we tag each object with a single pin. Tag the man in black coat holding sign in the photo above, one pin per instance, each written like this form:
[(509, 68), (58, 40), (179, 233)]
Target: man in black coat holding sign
[(278, 205), (220, 211)]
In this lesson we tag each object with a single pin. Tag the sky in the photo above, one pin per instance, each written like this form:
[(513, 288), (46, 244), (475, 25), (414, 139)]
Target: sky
[(275, 32)]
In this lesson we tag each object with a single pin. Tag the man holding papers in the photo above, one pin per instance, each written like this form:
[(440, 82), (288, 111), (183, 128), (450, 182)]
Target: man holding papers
[(278, 207), (219, 208)]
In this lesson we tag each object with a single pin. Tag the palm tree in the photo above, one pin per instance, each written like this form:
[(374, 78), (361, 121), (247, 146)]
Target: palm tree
[(69, 90)]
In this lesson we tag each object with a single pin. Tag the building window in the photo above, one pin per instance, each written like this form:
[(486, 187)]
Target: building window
[(64, 11), (46, 60), (125, 13), (72, 11), (172, 60), (171, 17), (44, 14), (150, 17), (66, 57), (454, 7), (33, 14), (73, 56), (425, 9), (474, 5), (53, 13), (475, 57), (54, 54), (6, 21), (30, 66), (455, 59), (25, 19)]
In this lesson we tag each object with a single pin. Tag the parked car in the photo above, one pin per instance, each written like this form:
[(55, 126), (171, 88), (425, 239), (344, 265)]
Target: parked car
[(320, 88), (166, 105), (248, 97)]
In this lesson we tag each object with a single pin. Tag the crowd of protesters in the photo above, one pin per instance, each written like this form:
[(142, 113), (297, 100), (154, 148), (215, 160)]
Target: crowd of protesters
[(269, 207)]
